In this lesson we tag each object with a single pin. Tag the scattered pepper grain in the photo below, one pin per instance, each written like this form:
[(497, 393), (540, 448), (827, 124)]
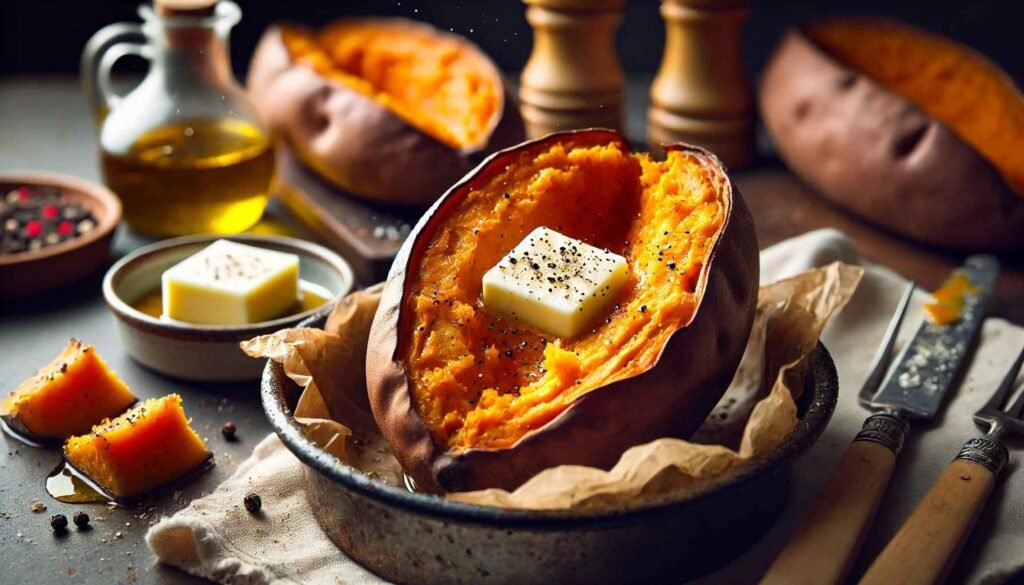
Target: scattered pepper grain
[(58, 522), (253, 503), (81, 519)]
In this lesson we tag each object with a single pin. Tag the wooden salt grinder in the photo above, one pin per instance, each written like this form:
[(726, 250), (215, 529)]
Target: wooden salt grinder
[(701, 94), (573, 78)]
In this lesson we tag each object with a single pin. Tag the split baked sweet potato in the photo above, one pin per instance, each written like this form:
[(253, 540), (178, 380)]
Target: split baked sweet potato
[(905, 128), (469, 398), (388, 109)]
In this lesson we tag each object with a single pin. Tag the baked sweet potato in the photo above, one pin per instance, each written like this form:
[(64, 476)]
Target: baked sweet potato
[(388, 109), (907, 129), (471, 399)]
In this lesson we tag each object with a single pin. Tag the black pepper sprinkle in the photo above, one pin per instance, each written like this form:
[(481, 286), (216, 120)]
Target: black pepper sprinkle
[(671, 265), (81, 519), (229, 430), (58, 522), (643, 308), (253, 503)]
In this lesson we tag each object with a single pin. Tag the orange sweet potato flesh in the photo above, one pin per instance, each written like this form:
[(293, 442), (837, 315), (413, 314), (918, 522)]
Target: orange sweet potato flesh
[(146, 447), (470, 390), (432, 82), (68, 396), (949, 81), (471, 399)]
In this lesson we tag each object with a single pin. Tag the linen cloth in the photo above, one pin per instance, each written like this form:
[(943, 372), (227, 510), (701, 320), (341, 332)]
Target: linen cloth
[(214, 537)]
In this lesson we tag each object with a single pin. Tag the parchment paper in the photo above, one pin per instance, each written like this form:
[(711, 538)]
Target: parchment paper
[(753, 417)]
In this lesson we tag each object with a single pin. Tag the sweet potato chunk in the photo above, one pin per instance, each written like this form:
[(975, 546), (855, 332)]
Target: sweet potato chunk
[(146, 447), (68, 396)]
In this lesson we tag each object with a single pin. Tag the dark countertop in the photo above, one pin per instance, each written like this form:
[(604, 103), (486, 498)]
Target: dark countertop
[(45, 125)]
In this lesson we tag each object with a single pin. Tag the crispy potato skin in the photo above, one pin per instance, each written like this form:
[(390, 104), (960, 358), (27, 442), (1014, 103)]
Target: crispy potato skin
[(671, 399), (881, 157), (357, 143)]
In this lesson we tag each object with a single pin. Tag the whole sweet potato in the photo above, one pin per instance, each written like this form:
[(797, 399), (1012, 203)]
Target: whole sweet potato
[(907, 130)]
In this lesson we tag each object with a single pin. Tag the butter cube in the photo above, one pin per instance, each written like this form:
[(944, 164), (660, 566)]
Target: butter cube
[(228, 283), (554, 283)]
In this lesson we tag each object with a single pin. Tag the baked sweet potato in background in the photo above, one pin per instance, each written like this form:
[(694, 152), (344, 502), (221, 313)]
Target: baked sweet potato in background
[(904, 128), (391, 110), (471, 399)]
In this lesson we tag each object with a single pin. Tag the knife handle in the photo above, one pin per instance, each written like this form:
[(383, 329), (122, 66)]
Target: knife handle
[(928, 544), (824, 547)]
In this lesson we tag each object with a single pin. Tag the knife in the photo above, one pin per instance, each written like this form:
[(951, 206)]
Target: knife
[(826, 544)]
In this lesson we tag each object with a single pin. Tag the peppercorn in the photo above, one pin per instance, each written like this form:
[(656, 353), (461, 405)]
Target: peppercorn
[(228, 430), (58, 522), (81, 519), (253, 503)]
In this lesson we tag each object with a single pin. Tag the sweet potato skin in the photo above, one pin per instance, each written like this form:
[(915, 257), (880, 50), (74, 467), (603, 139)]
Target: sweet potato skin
[(671, 399), (357, 143), (881, 157)]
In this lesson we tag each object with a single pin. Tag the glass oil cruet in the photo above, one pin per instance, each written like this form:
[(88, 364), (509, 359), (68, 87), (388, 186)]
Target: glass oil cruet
[(185, 150)]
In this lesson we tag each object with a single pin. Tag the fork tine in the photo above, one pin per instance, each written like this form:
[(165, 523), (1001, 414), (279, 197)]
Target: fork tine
[(995, 404), (883, 357), (1017, 410)]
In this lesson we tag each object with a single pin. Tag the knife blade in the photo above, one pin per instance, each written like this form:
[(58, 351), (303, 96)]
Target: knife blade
[(927, 366)]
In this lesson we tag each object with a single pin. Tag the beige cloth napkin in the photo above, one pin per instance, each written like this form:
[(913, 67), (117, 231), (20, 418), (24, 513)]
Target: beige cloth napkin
[(214, 537)]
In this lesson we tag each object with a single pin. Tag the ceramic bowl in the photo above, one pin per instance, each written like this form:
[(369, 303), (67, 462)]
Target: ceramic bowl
[(28, 273), (410, 537), (207, 353)]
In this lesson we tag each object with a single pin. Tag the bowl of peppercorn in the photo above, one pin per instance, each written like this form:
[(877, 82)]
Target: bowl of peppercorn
[(54, 230)]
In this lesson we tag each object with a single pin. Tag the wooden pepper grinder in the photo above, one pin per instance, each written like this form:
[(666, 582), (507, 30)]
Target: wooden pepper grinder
[(573, 78), (701, 94)]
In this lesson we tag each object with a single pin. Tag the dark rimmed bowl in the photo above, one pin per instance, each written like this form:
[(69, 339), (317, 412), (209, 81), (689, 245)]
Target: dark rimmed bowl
[(418, 538), (28, 273)]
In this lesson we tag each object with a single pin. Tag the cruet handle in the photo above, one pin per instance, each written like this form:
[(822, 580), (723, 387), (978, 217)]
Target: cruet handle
[(103, 50)]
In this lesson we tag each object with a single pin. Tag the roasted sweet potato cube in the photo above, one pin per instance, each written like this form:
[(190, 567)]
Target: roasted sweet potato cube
[(68, 396), (144, 448)]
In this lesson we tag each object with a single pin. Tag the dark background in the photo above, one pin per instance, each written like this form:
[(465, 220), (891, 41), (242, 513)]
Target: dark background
[(47, 36)]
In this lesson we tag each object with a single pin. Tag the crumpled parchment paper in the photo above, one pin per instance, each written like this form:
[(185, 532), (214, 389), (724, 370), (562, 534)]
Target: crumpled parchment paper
[(753, 417)]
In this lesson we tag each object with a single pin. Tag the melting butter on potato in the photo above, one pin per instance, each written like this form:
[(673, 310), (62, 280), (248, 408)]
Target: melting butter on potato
[(554, 283), (228, 283)]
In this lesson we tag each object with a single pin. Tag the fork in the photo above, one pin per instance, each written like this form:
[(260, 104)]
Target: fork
[(928, 544)]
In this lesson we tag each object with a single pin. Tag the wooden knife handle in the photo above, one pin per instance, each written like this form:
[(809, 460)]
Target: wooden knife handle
[(927, 546), (823, 549)]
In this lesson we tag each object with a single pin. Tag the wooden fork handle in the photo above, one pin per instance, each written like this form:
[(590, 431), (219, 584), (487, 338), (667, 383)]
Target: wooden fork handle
[(825, 545), (927, 546)]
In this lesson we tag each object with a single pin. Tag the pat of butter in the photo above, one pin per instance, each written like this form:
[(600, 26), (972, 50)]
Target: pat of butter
[(554, 283), (228, 283)]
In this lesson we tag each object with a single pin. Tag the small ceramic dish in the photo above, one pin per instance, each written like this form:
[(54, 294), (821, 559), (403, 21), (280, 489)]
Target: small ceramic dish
[(27, 273), (208, 353)]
